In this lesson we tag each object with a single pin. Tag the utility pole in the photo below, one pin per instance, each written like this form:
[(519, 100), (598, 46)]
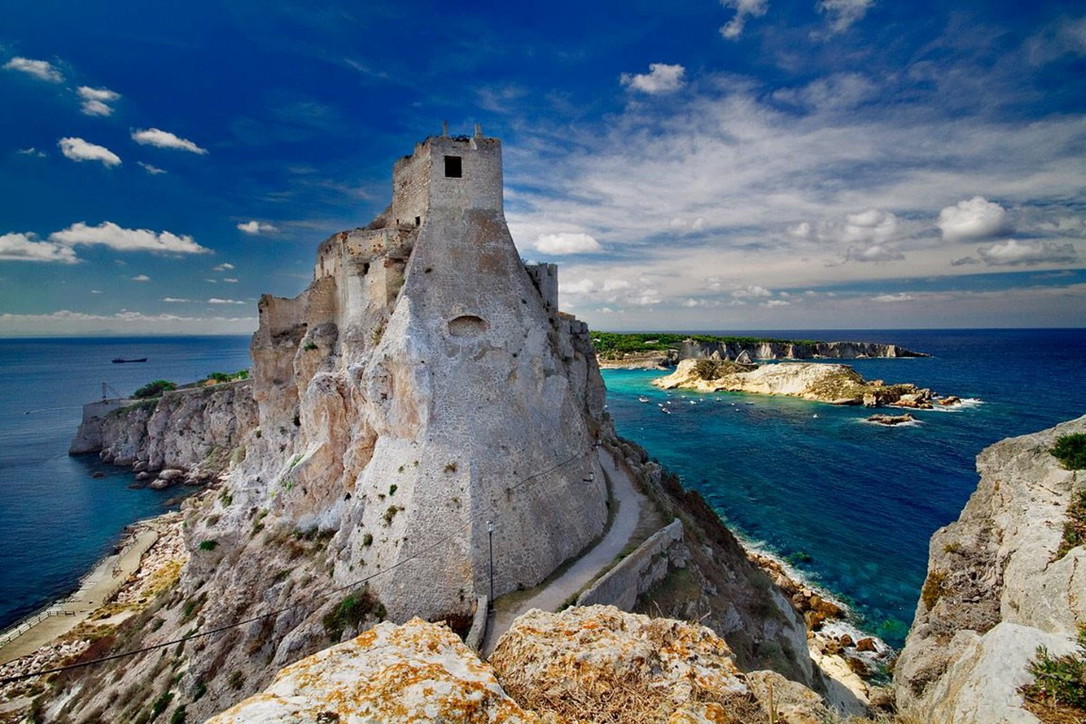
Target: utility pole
[(490, 545)]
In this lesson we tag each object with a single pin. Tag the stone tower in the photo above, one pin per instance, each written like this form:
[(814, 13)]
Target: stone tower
[(435, 388)]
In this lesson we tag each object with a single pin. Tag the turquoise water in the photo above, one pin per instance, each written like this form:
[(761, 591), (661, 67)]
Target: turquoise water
[(56, 519), (850, 503)]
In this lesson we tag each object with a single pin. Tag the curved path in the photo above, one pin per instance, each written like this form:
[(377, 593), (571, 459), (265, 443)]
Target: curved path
[(95, 589), (581, 573)]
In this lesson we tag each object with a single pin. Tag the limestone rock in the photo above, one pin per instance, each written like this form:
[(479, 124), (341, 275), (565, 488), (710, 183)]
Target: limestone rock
[(417, 672), (833, 383), (995, 589)]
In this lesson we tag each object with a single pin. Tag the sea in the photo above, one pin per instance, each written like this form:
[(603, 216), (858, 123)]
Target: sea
[(850, 505)]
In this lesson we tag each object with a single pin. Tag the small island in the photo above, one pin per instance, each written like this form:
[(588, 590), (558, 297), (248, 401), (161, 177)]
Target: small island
[(835, 384), (663, 350)]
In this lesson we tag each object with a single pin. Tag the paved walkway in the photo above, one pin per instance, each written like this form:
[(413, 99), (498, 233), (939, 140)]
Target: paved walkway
[(95, 589), (549, 598)]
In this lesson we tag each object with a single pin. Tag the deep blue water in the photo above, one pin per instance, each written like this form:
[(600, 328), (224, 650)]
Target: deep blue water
[(56, 519), (853, 504)]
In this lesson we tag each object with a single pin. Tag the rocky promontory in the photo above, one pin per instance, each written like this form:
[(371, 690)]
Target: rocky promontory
[(1003, 580), (836, 384)]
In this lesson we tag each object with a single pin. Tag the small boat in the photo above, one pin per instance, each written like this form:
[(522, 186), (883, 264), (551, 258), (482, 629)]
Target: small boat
[(642, 398), (122, 360), (665, 410)]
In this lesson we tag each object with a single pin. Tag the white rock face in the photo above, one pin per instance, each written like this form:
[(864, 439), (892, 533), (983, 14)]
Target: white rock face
[(585, 664), (996, 589), (417, 672)]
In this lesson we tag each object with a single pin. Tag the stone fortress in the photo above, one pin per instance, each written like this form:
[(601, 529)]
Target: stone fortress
[(430, 375)]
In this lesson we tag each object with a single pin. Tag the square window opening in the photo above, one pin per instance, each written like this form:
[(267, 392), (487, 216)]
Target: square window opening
[(454, 167)]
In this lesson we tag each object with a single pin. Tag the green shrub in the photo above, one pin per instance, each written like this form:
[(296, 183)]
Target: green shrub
[(178, 716), (154, 389), (160, 704), (351, 611), (208, 545), (1070, 450), (1059, 681), (1074, 530)]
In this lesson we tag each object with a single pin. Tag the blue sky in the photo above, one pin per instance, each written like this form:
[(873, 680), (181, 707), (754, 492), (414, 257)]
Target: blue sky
[(745, 164)]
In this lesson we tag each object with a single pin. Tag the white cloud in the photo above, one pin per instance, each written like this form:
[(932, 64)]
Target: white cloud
[(96, 291), (257, 227), (216, 300), (874, 253), (175, 300), (120, 239), (1014, 253), (565, 242), (843, 13), (165, 139), (871, 226), (141, 278), (24, 247), (230, 280), (894, 298), (752, 291), (96, 100), (581, 286), (974, 219), (661, 78), (743, 9), (40, 69), (153, 170), (225, 266), (125, 321), (615, 285), (79, 150), (776, 303), (31, 152)]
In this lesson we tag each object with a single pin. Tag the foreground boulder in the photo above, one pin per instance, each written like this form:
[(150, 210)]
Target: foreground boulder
[(585, 664), (411, 673), (999, 585)]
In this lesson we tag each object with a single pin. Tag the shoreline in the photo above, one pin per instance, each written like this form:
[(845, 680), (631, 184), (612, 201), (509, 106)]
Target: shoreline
[(118, 586)]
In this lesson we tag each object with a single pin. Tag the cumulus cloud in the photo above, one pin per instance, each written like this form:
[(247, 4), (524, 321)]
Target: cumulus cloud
[(96, 100), (565, 242), (153, 170), (31, 152), (1014, 253), (141, 278), (25, 247), (165, 139), (752, 291), (776, 303), (77, 149), (225, 266), (661, 78), (743, 9), (615, 285), (875, 253), (872, 226), (843, 13), (40, 69), (175, 300), (257, 227), (216, 300), (972, 220), (581, 286), (120, 239), (893, 298), (230, 280)]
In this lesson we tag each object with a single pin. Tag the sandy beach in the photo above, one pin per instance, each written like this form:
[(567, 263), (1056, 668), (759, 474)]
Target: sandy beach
[(150, 557)]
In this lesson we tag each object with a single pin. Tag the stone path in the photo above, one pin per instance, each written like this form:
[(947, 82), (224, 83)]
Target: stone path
[(550, 597), (95, 589)]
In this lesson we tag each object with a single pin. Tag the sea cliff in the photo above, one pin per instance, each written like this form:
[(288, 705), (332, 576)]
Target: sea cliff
[(1001, 582), (427, 425)]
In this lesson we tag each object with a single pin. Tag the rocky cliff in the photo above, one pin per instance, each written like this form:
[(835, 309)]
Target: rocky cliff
[(998, 586), (833, 383), (778, 350), (421, 406), (194, 431), (584, 664)]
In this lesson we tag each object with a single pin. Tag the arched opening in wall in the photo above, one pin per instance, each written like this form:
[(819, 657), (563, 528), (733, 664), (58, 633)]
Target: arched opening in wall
[(468, 325)]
